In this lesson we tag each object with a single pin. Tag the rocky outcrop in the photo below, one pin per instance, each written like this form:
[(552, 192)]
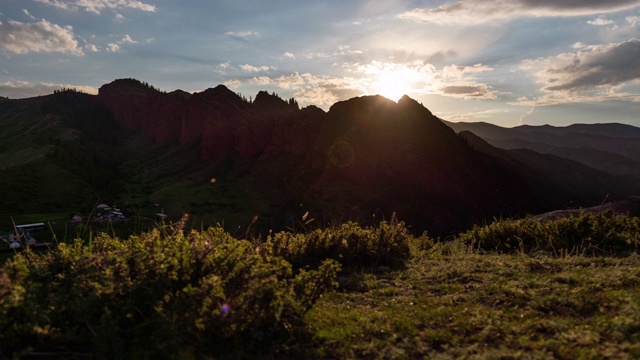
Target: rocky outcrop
[(217, 120), (136, 105)]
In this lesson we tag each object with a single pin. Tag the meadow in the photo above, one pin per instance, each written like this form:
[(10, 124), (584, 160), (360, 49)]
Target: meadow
[(566, 288)]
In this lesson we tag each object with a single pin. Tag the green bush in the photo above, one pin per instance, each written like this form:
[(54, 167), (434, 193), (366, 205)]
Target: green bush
[(387, 245), (156, 295), (588, 234)]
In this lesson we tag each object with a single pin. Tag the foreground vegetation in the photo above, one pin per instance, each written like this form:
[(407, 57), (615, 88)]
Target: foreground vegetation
[(568, 288)]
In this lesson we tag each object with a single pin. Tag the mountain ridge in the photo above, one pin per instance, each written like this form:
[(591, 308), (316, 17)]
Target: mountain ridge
[(613, 148), (365, 159)]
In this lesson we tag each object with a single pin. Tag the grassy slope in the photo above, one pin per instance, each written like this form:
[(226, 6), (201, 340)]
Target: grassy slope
[(485, 306), (450, 300), (52, 155)]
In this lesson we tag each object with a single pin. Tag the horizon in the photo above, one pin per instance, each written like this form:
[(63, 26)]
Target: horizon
[(393, 101), (466, 60)]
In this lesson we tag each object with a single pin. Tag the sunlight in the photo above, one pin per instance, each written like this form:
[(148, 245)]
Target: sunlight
[(394, 83), (395, 80)]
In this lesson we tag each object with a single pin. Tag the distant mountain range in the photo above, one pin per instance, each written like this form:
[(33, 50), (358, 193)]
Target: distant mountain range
[(613, 148), (267, 162)]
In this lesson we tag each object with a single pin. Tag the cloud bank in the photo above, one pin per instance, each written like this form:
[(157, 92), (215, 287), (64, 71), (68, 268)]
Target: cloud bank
[(592, 73), (42, 36), (365, 79), (485, 11), (96, 6), (23, 89)]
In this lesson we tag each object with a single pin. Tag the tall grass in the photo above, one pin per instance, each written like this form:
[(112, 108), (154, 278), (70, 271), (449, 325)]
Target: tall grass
[(387, 245), (588, 234)]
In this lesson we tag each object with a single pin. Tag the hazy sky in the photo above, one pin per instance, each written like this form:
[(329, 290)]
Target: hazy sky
[(507, 62)]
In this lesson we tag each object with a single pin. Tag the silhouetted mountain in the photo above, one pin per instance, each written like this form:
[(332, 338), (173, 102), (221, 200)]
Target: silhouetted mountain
[(375, 157), (266, 162), (560, 181), (613, 148)]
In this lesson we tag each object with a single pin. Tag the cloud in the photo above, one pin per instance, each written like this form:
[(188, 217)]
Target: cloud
[(96, 6), (460, 72), (91, 47), (466, 91), (345, 50), (601, 22), (42, 36), (242, 35), (22, 89), (416, 78), (487, 11), (599, 65), (419, 77), (113, 47), (127, 40), (593, 73), (317, 55), (251, 68), (26, 12), (633, 20), (289, 55), (471, 116), (322, 91)]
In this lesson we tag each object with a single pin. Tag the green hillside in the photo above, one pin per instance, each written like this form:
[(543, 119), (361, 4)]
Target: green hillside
[(56, 154)]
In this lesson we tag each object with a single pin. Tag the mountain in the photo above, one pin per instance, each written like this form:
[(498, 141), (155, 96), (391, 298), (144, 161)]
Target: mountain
[(613, 148), (569, 183), (382, 157), (260, 165), (57, 152)]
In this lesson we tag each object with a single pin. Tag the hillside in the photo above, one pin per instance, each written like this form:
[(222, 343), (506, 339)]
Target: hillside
[(59, 152), (260, 165), (569, 182), (613, 148)]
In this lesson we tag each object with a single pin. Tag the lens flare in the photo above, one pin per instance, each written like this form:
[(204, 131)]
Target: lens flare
[(225, 309)]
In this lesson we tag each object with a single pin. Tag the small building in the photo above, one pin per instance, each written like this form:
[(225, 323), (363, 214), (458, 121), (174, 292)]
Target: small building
[(31, 227)]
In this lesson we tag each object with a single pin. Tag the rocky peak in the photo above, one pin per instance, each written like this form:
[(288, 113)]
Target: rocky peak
[(127, 86), (271, 103), (180, 94), (221, 90)]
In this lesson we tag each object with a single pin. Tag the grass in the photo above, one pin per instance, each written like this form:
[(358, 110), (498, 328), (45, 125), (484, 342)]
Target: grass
[(398, 296), (485, 306), (22, 156)]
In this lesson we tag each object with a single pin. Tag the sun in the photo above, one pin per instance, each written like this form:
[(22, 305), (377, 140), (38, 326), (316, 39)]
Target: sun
[(393, 83)]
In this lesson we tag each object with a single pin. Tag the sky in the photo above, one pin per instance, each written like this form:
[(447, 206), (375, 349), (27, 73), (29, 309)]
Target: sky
[(507, 62)]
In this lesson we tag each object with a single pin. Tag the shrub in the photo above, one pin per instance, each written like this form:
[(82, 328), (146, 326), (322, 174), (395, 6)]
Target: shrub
[(588, 234), (155, 295), (351, 245)]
